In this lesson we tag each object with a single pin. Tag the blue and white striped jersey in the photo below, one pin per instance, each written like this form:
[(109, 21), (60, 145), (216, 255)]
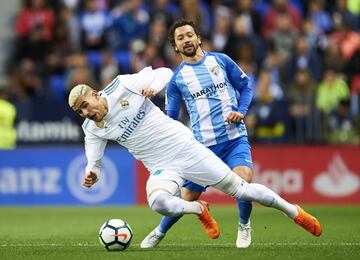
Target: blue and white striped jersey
[(211, 89)]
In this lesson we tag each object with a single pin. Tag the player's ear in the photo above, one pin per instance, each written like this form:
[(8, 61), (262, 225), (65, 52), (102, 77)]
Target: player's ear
[(94, 93), (176, 49), (199, 41)]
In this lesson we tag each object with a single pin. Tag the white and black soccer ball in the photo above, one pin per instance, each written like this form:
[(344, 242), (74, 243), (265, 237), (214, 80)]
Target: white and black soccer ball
[(115, 235)]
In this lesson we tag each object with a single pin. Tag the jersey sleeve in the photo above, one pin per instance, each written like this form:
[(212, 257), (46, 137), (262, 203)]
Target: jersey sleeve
[(94, 151), (147, 77), (173, 100), (240, 81)]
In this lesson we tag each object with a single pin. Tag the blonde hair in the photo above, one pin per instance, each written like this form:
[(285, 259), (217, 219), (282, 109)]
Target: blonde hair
[(76, 92)]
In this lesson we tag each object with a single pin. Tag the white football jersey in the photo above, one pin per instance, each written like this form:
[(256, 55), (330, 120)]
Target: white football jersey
[(136, 123)]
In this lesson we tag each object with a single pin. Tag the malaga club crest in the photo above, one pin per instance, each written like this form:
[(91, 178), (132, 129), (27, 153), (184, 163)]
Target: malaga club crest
[(215, 70)]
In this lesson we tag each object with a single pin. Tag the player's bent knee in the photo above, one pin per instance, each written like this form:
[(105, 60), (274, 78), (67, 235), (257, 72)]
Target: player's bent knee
[(232, 184), (164, 185), (165, 204), (244, 172)]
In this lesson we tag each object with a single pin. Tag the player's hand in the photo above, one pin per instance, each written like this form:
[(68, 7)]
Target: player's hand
[(234, 117), (90, 179), (148, 92)]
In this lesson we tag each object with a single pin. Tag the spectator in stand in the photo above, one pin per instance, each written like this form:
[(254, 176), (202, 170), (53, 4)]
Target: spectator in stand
[(245, 59), (266, 78), (245, 8), (317, 40), (267, 117), (164, 10), (301, 98), (220, 35), (130, 22), (199, 12), (320, 17), (79, 70), (333, 58), (59, 50), (240, 33), (94, 24), (342, 126), (330, 91), (34, 30), (341, 14), (149, 56), (157, 35), (284, 37), (354, 7), (26, 88), (347, 38), (303, 57), (108, 69), (281, 7), (275, 71), (69, 18), (7, 119)]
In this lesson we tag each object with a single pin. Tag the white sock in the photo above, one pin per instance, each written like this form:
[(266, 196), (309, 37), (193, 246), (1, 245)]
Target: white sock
[(158, 232), (265, 196), (192, 207), (168, 205)]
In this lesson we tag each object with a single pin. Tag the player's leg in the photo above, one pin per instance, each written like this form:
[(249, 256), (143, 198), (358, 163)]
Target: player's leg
[(237, 187), (161, 198), (243, 239), (189, 192), (212, 171), (236, 154)]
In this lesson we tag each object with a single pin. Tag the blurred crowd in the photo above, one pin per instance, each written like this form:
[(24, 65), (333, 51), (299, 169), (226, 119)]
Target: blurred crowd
[(303, 57)]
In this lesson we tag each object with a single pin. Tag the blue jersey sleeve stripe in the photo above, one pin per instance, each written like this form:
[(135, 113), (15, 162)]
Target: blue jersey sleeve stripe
[(173, 96), (240, 81)]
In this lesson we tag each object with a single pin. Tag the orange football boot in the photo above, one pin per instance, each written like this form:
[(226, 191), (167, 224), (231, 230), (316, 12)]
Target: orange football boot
[(308, 222), (212, 228)]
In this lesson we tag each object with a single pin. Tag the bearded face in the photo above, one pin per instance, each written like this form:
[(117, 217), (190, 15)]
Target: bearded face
[(187, 42)]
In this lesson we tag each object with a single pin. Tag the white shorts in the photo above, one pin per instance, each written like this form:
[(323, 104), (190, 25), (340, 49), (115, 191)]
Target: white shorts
[(195, 163)]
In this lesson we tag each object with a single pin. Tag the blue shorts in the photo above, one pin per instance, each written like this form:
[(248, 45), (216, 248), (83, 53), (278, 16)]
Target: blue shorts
[(236, 152)]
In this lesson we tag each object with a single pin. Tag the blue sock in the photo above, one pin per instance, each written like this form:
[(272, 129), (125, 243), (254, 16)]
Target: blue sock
[(245, 208), (167, 222)]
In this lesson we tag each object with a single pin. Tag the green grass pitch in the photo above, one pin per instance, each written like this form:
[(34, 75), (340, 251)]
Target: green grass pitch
[(72, 233)]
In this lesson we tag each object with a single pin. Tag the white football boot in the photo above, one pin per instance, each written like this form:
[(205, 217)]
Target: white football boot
[(244, 236), (153, 239)]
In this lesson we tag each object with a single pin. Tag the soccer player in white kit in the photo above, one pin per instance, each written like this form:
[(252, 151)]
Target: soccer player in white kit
[(123, 113)]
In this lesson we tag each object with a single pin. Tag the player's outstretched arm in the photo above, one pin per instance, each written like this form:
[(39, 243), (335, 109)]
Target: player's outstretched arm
[(94, 151)]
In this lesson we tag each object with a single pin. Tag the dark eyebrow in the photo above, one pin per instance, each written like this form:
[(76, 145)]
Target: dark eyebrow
[(81, 105)]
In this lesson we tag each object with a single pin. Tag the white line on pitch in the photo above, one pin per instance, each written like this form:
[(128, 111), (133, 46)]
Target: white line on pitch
[(186, 245)]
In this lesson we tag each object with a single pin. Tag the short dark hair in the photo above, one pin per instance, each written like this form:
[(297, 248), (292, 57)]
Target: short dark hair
[(180, 23)]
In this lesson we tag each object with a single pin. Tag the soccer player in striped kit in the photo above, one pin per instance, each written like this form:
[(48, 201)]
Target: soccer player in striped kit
[(217, 96)]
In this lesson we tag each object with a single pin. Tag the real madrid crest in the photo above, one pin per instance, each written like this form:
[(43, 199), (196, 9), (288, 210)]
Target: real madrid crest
[(124, 104), (215, 70)]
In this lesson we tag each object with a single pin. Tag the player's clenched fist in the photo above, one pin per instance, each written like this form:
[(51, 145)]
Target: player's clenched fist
[(90, 179), (148, 92), (234, 117)]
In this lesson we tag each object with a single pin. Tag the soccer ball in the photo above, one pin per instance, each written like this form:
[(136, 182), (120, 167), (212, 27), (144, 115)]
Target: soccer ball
[(115, 235)]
